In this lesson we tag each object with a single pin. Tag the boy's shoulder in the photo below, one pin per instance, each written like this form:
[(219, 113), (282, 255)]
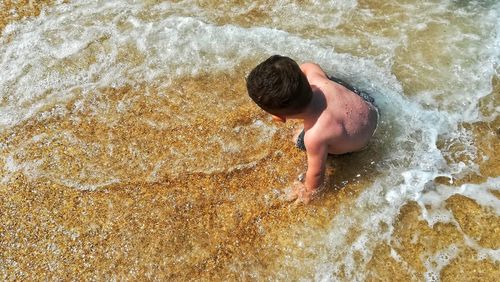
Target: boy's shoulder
[(312, 69)]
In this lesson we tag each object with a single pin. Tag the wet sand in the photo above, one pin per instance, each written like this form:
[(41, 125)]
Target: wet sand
[(183, 224), (196, 225), (13, 11)]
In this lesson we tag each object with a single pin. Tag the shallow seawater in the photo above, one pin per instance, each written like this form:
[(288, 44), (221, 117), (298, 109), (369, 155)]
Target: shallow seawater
[(130, 150)]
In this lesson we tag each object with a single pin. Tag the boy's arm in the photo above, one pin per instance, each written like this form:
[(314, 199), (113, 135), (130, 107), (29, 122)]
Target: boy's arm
[(316, 160)]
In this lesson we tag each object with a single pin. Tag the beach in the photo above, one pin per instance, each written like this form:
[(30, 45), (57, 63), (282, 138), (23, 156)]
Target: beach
[(130, 150)]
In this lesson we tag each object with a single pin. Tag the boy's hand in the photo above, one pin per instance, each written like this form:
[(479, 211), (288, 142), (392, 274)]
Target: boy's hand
[(299, 193)]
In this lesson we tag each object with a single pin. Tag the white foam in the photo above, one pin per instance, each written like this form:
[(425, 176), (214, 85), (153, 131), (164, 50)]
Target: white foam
[(35, 60), (29, 168), (173, 46), (478, 192), (435, 263), (482, 253)]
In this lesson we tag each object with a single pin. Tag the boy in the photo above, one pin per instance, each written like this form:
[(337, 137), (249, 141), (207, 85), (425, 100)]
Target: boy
[(337, 118)]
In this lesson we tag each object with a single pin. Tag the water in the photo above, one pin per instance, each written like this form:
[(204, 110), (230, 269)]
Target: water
[(129, 148)]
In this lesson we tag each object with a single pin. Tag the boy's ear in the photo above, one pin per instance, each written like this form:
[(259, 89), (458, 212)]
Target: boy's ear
[(279, 118)]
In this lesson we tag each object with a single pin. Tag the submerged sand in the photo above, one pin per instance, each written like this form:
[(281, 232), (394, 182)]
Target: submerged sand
[(12, 11), (190, 224), (199, 225)]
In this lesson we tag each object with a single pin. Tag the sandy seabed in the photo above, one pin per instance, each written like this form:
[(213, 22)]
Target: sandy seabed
[(228, 224)]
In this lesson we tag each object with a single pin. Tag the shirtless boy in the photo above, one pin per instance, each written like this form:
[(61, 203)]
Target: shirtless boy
[(337, 118)]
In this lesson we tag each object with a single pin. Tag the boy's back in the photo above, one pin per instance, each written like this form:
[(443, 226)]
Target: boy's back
[(344, 123)]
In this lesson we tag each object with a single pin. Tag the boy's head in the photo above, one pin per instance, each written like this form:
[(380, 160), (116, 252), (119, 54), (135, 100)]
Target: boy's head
[(279, 87)]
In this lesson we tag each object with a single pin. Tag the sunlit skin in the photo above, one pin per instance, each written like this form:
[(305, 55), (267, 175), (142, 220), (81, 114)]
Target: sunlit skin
[(336, 121)]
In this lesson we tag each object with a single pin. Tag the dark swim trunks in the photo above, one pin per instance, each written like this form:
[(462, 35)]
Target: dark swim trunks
[(365, 96)]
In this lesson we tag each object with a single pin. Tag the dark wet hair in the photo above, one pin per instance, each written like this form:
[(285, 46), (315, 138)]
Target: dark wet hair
[(279, 87)]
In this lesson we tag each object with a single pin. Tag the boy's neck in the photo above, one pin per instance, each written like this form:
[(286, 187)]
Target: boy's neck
[(313, 110)]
